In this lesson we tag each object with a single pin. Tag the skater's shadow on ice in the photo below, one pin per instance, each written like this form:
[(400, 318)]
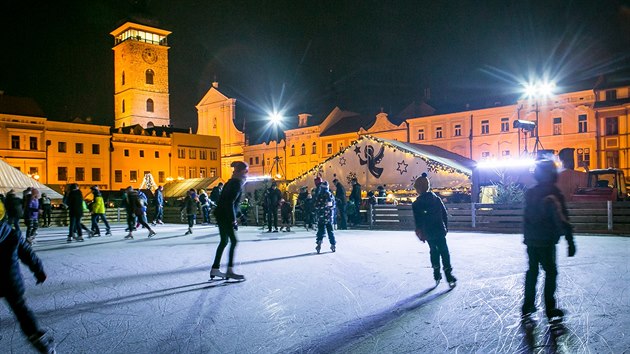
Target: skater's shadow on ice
[(279, 258), (90, 306), (356, 330), (61, 243), (541, 339)]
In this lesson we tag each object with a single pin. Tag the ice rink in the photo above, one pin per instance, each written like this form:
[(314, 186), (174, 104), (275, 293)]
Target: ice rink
[(374, 295)]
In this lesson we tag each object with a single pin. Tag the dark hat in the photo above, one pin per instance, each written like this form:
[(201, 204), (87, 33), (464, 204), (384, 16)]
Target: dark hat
[(546, 171), (318, 180)]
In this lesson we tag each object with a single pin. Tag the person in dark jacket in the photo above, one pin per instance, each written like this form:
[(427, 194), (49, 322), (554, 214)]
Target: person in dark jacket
[(158, 200), (31, 214), (382, 194), (325, 213), (272, 202), (226, 213), (340, 199), (135, 210), (190, 208), (431, 222), (74, 201), (309, 211), (545, 220), (355, 197), (13, 249), (14, 209), (46, 205), (286, 211), (204, 202)]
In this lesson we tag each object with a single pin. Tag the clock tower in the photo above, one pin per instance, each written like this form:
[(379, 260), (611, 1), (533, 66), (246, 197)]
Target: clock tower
[(140, 76)]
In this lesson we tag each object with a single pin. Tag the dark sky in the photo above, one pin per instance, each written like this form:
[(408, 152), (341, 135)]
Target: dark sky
[(308, 56)]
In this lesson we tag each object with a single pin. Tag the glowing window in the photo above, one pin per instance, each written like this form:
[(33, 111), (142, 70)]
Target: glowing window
[(149, 105), (149, 76)]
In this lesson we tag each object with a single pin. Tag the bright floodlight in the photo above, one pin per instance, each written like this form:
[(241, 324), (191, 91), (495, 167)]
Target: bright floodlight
[(275, 118), (539, 89)]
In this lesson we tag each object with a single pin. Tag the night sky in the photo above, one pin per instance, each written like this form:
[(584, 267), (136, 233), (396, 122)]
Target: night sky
[(309, 56)]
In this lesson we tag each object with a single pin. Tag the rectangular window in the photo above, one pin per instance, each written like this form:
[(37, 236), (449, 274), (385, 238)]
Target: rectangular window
[(141, 153), (457, 130), (181, 153), (133, 176), (157, 154), (203, 154), (583, 157), (126, 152), (612, 159), (611, 95), (269, 164), (118, 176), (15, 142), (96, 149), (192, 154), (78, 148), (420, 134), (161, 177), (505, 125), (33, 171), (505, 153), (485, 127), (62, 173), (213, 155), (612, 126), (96, 174), (192, 172), (61, 146), (557, 126), (485, 154), (79, 174), (438, 133), (582, 125), (213, 172), (251, 161), (32, 143), (202, 172), (329, 148), (181, 172)]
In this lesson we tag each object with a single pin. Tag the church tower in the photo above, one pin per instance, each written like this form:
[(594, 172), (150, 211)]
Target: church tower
[(140, 76)]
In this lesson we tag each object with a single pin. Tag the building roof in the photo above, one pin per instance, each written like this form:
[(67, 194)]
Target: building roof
[(12, 178), (21, 106), (349, 124), (178, 189)]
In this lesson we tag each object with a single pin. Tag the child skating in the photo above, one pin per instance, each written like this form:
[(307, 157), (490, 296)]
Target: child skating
[(431, 226)]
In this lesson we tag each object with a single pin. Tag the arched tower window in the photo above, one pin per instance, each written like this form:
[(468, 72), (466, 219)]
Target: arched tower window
[(292, 150), (303, 152), (123, 77), (149, 105), (149, 76), (314, 148), (123, 106)]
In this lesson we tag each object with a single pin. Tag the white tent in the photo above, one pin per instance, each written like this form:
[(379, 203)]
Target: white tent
[(12, 178), (375, 161)]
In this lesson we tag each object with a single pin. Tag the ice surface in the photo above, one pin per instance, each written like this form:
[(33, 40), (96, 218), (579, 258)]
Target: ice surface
[(374, 295)]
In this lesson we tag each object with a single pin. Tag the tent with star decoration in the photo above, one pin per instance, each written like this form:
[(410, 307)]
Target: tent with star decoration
[(376, 161)]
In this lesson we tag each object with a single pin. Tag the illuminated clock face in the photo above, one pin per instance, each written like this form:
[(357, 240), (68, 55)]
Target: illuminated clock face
[(149, 55)]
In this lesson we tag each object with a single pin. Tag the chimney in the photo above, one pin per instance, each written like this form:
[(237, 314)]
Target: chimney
[(303, 120)]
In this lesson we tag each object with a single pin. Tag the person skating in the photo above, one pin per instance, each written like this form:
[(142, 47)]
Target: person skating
[(545, 220), (272, 202), (325, 213), (190, 207), (355, 198), (226, 214), (309, 211), (14, 210), (46, 206), (74, 201), (340, 199), (13, 249), (431, 221), (158, 200), (214, 195), (133, 206), (204, 202), (98, 213), (286, 212), (31, 214)]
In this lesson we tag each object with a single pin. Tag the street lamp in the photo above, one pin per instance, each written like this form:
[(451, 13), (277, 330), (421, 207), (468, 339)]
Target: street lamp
[(276, 119), (536, 91)]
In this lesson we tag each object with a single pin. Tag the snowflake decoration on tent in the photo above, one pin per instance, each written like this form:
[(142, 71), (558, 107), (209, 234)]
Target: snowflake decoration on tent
[(342, 161), (350, 177), (402, 167)]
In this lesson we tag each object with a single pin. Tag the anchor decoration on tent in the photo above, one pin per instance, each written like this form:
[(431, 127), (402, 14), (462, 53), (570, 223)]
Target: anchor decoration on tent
[(372, 160)]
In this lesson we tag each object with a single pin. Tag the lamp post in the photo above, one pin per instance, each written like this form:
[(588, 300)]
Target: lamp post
[(539, 90), (276, 119)]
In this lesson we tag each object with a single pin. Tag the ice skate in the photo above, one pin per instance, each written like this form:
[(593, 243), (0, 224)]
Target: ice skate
[(189, 232), (333, 248), (151, 234), (216, 272), (43, 342), (69, 239), (108, 233), (437, 276), (231, 275), (318, 247), (129, 237), (79, 238), (528, 321), (452, 281), (555, 318)]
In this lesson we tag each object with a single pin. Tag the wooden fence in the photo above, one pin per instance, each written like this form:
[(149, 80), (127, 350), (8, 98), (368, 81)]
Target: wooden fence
[(592, 217)]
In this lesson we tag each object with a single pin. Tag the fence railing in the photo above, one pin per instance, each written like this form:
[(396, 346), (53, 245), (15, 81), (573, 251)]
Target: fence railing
[(591, 217)]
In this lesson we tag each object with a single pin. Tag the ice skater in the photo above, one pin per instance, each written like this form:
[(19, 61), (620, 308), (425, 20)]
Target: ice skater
[(12, 248), (431, 221), (133, 206), (545, 220), (226, 212), (190, 208), (325, 213), (98, 213), (286, 212)]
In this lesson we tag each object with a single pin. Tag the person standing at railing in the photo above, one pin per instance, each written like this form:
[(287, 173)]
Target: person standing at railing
[(46, 206), (158, 200), (340, 198), (545, 220), (431, 221), (355, 197)]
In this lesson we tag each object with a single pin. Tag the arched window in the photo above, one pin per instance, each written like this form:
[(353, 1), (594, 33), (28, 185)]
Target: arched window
[(314, 148), (292, 150), (123, 77), (149, 105), (149, 76), (303, 149), (123, 106)]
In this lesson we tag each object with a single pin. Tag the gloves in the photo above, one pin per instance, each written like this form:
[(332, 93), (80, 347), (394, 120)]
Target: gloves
[(571, 249), (41, 277), (420, 235)]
